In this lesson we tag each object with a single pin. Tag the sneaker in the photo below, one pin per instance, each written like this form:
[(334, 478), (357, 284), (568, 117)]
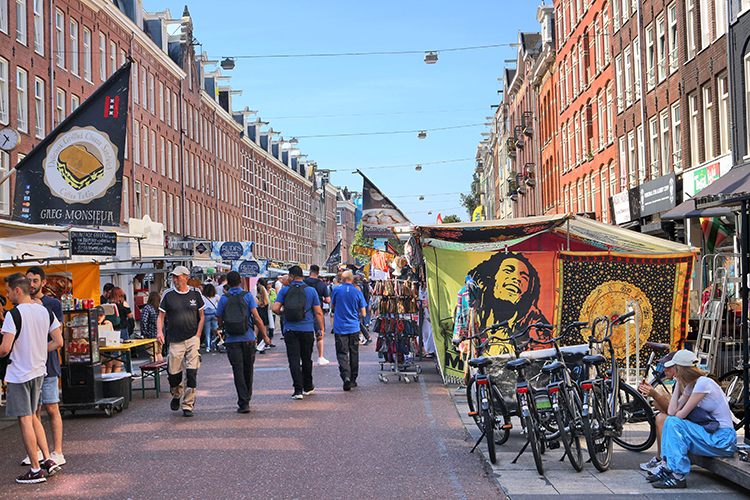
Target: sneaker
[(50, 467), (174, 405), (297, 395), (32, 477), (59, 458), (307, 393), (652, 466), (323, 361), (670, 482), (663, 473), (26, 462), (354, 384), (243, 409), (271, 345), (368, 342), (347, 384), (187, 413)]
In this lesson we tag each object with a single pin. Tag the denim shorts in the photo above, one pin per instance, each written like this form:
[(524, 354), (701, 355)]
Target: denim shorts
[(50, 391)]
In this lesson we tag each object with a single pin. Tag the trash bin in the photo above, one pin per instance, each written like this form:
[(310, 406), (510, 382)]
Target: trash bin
[(115, 385)]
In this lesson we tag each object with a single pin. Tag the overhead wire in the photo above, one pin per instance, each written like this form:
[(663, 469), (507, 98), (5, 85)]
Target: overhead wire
[(378, 53), (389, 133)]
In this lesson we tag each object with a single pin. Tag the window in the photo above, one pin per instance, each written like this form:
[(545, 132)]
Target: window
[(134, 84), (112, 57), (653, 127), (163, 155), (661, 48), (676, 138), (144, 88), (616, 14), (137, 142), (672, 18), (694, 130), (176, 160), (75, 101), (664, 119), (721, 18), (161, 101), (86, 54), (637, 67), (164, 210), (618, 73), (338, 217), (177, 215), (4, 91), (168, 106), (706, 16), (60, 38), (151, 103), (137, 200), (155, 201), (650, 58), (123, 57), (708, 122), (169, 159), (601, 118), (39, 26), (4, 16), (724, 140), (628, 77), (610, 115), (632, 160), (21, 21), (605, 38), (59, 106), (623, 164), (690, 27), (102, 57), (125, 198), (171, 212), (603, 192), (144, 139), (73, 47), (640, 149), (22, 100), (175, 123), (597, 47), (152, 155), (147, 200)]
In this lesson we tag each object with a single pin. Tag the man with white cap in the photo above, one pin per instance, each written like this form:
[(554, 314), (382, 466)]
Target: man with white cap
[(699, 422), (182, 305)]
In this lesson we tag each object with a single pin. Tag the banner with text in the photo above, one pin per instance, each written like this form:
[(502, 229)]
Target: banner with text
[(74, 175), (232, 250)]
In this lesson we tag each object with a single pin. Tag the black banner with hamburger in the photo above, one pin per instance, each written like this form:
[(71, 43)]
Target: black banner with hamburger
[(379, 214), (74, 176)]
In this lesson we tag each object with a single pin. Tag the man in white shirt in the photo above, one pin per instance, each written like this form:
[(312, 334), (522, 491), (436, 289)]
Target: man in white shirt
[(25, 374)]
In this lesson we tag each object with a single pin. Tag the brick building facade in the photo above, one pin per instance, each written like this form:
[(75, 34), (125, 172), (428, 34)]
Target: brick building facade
[(191, 162)]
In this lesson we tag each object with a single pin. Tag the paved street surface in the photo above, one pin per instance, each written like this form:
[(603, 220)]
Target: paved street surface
[(521, 480), (378, 441)]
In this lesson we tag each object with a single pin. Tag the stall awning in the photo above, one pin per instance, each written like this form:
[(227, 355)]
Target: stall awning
[(734, 182)]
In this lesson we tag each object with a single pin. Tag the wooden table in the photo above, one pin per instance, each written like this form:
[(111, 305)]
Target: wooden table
[(122, 352)]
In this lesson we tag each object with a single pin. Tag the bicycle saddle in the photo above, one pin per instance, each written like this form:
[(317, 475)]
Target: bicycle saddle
[(552, 367), (480, 362), (594, 360), (517, 364)]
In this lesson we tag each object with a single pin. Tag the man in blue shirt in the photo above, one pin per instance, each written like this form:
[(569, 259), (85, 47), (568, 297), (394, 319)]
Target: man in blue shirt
[(241, 348), (299, 336), (348, 306)]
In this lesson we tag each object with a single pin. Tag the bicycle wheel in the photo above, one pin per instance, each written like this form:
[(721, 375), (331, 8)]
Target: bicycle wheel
[(637, 420), (475, 407), (733, 386), (598, 440), (532, 434), (488, 422), (566, 424), (501, 417)]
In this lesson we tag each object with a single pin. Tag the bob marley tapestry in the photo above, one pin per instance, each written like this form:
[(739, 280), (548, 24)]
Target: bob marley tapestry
[(513, 286), (592, 285)]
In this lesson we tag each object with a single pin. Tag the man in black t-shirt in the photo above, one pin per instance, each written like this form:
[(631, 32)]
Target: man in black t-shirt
[(182, 306), (322, 290)]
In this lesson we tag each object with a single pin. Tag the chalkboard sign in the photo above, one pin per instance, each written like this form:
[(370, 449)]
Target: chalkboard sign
[(93, 243)]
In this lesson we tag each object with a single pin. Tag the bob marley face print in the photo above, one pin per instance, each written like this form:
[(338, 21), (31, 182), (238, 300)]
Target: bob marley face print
[(509, 289)]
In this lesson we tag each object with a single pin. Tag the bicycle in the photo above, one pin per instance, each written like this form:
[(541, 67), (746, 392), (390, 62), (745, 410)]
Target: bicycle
[(486, 403), (734, 390), (604, 414)]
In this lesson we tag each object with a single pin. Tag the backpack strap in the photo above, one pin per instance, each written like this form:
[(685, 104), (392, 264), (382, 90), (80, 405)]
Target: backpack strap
[(16, 315)]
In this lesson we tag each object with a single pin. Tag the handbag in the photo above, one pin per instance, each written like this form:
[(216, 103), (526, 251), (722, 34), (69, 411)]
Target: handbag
[(701, 417)]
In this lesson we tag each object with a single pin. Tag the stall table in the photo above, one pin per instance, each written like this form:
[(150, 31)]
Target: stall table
[(122, 352)]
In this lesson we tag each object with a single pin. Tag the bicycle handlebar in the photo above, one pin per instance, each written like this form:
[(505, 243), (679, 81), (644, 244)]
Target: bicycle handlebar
[(479, 335)]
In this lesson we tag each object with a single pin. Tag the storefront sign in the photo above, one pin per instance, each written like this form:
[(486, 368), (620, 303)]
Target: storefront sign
[(658, 195), (251, 268), (202, 250), (626, 206), (93, 243), (232, 250), (695, 180)]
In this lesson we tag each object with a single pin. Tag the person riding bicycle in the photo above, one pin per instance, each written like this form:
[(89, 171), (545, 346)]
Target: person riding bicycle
[(699, 421)]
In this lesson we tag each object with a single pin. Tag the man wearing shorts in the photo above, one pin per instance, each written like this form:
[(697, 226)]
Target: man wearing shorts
[(25, 374), (50, 387)]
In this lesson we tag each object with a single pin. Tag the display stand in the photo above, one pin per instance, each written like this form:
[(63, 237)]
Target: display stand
[(81, 365), (398, 332)]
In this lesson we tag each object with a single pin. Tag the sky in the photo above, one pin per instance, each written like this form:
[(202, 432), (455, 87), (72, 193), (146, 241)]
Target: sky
[(311, 96)]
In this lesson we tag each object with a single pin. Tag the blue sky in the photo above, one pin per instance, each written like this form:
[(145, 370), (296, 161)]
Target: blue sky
[(380, 93)]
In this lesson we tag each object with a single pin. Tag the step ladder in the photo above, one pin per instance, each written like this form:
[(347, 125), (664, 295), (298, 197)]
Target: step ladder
[(712, 314)]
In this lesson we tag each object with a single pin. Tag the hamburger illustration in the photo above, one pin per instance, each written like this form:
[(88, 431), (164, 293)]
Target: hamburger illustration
[(78, 167)]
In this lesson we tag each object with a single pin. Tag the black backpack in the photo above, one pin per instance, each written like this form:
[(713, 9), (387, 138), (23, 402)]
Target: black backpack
[(294, 303), (235, 314)]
